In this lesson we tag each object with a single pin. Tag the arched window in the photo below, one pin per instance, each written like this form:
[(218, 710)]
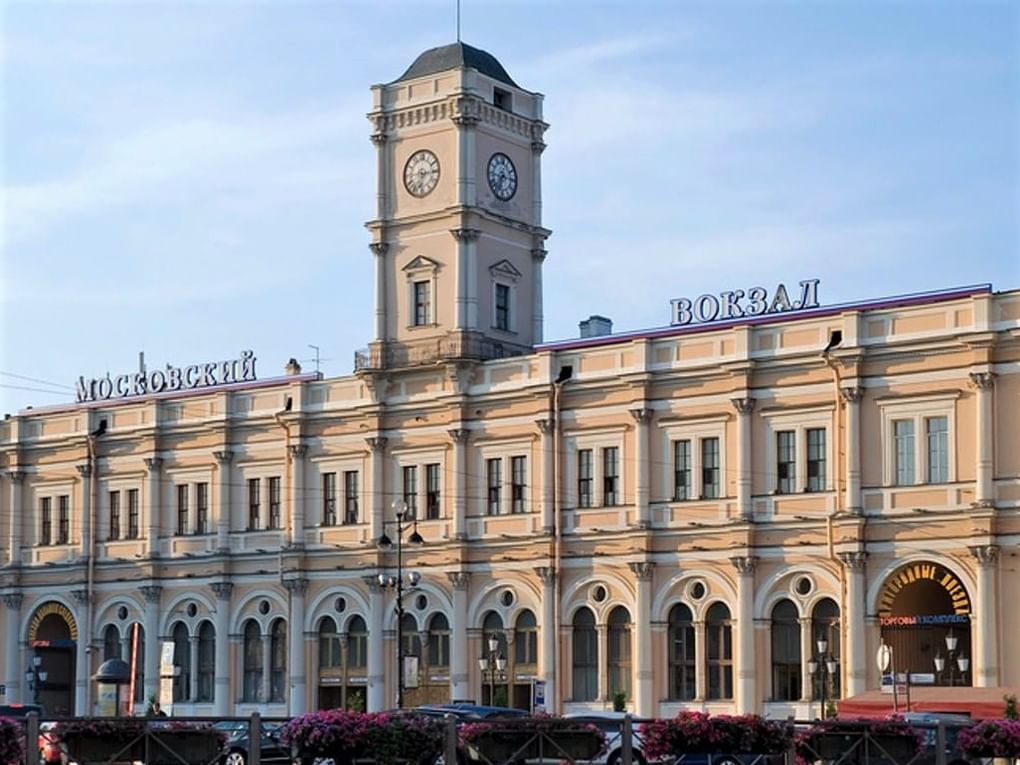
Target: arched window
[(439, 642), (409, 630), (786, 652), (357, 643), (182, 659), (278, 661), (329, 644), (825, 626), (719, 650), (206, 661), (111, 643), (526, 640), (682, 685), (252, 670), (619, 651), (494, 690), (586, 656)]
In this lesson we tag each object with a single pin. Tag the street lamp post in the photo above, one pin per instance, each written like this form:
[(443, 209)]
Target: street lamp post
[(956, 659), (493, 662), (35, 677), (404, 521), (828, 665)]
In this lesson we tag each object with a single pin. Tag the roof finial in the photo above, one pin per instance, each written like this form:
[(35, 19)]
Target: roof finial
[(458, 20)]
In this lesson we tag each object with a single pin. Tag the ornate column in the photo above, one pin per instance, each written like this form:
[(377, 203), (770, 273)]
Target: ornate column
[(744, 407), (12, 658), (642, 417), (467, 298), (548, 636), (546, 479), (267, 667), (379, 250), (376, 487), (193, 680), (460, 487), (807, 650), (296, 633), (985, 645), (854, 659), (984, 382), (83, 654), (467, 194), (16, 478), (644, 697), (459, 678), (223, 460), (153, 465), (852, 396), (746, 691), (222, 590), (700, 671), (152, 594), (84, 520), (378, 139), (297, 495), (376, 665), (537, 318), (537, 147)]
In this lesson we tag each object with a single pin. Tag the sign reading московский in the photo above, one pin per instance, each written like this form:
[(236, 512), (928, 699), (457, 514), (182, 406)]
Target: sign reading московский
[(737, 303), (173, 379)]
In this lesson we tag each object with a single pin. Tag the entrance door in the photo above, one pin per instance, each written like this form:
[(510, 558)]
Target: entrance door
[(51, 640)]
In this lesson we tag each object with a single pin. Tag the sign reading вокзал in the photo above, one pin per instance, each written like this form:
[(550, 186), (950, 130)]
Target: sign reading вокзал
[(172, 379), (735, 304)]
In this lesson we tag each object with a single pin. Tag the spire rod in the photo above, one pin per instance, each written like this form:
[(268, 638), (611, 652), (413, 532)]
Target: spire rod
[(458, 20)]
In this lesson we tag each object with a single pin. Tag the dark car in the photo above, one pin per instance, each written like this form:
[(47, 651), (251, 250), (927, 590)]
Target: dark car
[(238, 743), (927, 723), (466, 712)]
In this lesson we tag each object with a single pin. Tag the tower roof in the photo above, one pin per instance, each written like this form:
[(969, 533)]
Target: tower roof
[(455, 56)]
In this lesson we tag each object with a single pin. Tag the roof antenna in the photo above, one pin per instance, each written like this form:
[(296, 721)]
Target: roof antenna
[(458, 20)]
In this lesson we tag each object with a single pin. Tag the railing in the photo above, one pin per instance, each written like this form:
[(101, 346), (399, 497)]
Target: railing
[(440, 349)]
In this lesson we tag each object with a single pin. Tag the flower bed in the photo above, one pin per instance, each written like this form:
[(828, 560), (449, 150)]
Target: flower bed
[(697, 732), (992, 738), (346, 736), (890, 738), (12, 741), (529, 738), (102, 740)]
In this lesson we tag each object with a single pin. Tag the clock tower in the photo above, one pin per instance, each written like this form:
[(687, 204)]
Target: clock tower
[(457, 235)]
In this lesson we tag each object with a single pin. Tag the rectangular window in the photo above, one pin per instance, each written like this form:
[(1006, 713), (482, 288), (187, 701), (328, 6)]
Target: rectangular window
[(182, 510), (816, 459), (494, 481), (132, 518), (518, 481), (202, 508), (254, 497), (681, 470), (410, 474), (46, 520), (275, 519), (432, 492), (710, 468), (786, 462), (937, 431), (610, 476), (63, 519), (114, 515), (502, 307), (350, 497), (903, 439), (329, 499), (422, 303), (585, 478)]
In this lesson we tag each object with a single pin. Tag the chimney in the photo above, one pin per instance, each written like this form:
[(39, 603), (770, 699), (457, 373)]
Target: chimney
[(293, 368), (596, 326)]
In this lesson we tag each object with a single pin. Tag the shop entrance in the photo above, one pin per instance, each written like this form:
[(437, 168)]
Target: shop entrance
[(924, 612), (53, 637)]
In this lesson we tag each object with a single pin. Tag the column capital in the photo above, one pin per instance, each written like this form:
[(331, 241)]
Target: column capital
[(466, 120), (538, 146), (642, 415), (372, 583), (745, 564), (81, 597), (982, 380), (298, 451), (296, 586), (221, 590), (459, 435), (376, 443), (224, 457), (84, 470), (546, 573), (379, 248), (13, 600), (378, 138), (852, 394), (985, 555), (15, 475), (459, 579), (854, 561), (545, 425), (465, 234), (151, 592), (743, 405), (642, 570), (539, 253), (152, 464)]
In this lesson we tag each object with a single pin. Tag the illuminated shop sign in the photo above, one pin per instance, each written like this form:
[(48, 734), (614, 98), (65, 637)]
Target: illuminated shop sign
[(907, 576), (910, 621), (755, 301), (171, 379)]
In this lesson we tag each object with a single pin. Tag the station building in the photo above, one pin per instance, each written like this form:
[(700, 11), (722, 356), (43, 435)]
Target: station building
[(729, 513)]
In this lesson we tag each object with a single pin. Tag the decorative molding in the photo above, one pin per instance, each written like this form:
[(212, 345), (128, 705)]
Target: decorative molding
[(745, 564), (81, 597), (153, 463), (459, 579), (379, 138), (642, 415), (743, 405), (546, 573), (151, 592), (16, 476), (13, 600), (643, 570), (466, 120), (982, 380), (982, 504), (379, 248), (372, 583), (296, 586), (854, 561), (84, 470), (224, 457), (537, 147), (538, 253), (852, 394), (546, 425), (376, 443), (465, 234), (298, 451), (985, 555), (222, 590), (459, 435)]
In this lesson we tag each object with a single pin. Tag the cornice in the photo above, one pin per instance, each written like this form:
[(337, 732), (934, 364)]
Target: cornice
[(463, 109)]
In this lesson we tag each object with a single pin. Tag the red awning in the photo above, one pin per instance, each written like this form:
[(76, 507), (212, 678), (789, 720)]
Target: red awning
[(979, 703)]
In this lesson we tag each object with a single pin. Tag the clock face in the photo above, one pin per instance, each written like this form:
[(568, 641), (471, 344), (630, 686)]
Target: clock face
[(502, 176), (421, 173)]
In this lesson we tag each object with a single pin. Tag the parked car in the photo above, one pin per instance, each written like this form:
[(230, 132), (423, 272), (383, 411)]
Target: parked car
[(927, 723), (238, 743), (465, 712)]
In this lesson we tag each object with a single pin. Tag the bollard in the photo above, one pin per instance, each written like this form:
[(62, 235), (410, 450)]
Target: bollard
[(627, 740), (32, 738), (450, 741), (255, 739)]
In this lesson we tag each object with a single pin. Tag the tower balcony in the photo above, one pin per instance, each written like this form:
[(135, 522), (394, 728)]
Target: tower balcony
[(453, 347)]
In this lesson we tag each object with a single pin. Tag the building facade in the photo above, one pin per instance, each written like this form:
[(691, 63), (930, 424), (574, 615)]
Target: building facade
[(695, 516)]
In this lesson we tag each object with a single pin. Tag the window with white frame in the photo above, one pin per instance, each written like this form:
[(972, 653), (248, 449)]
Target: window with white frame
[(202, 507), (422, 303), (133, 528), (494, 485), (275, 518), (594, 474), (798, 448), (432, 487), (46, 521), (504, 295), (917, 436), (254, 504), (696, 449), (611, 476), (329, 499), (503, 469), (114, 523), (421, 291), (350, 497), (410, 493), (518, 482), (339, 490), (192, 511), (420, 475), (585, 477)]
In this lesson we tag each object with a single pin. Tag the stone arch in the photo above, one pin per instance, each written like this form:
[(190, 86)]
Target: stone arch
[(321, 605), (766, 598), (248, 609), (673, 592)]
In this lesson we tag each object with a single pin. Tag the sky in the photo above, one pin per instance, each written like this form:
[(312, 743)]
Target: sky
[(191, 178)]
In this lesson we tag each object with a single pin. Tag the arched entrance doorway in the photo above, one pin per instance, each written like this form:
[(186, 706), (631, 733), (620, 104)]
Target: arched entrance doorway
[(924, 613), (53, 635)]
